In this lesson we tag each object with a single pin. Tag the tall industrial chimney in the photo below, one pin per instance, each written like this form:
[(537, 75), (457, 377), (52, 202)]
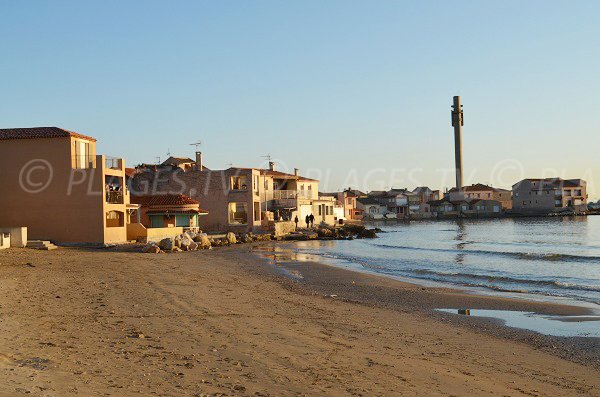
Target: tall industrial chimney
[(457, 123)]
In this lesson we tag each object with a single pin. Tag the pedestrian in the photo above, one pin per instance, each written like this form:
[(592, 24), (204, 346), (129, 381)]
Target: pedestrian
[(307, 221), (296, 221), (312, 220)]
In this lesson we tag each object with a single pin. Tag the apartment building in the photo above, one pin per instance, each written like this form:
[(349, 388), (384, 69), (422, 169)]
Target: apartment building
[(480, 191), (56, 185), (542, 196)]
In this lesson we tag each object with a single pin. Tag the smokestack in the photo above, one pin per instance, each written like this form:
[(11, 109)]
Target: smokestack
[(271, 166), (457, 123), (199, 161), (296, 171)]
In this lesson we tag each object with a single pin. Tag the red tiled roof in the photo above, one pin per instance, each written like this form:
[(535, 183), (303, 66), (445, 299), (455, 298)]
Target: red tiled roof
[(199, 211), (39, 132), (163, 199)]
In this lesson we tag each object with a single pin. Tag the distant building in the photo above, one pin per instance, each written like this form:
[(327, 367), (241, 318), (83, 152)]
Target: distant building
[(371, 208), (55, 184), (348, 199), (482, 192), (542, 196)]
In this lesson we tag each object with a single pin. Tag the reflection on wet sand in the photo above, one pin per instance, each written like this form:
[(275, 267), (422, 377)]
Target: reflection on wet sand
[(586, 326)]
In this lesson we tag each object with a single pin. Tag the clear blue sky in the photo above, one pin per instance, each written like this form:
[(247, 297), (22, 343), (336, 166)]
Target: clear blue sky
[(357, 91)]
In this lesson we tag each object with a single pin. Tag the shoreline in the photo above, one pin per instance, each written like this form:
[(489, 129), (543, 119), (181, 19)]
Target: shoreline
[(591, 307), (378, 290)]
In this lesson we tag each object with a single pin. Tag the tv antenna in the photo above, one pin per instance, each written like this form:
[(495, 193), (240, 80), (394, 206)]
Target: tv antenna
[(267, 157), (196, 145)]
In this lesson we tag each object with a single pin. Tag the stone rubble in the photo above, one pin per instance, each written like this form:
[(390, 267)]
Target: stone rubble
[(191, 241)]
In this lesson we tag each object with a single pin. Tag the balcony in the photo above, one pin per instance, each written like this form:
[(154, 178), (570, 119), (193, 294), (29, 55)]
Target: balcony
[(113, 163), (291, 194), (113, 197)]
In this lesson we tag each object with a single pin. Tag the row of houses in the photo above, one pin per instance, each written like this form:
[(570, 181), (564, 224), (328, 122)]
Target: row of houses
[(540, 196), (58, 187), (55, 184)]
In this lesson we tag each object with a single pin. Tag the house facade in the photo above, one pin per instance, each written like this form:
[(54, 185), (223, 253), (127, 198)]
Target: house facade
[(348, 199), (168, 210), (242, 199), (371, 208), (480, 191), (56, 185), (542, 196)]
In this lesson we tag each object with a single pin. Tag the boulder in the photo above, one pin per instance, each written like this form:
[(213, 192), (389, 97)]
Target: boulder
[(245, 238), (151, 248), (231, 239), (177, 249), (166, 244), (185, 242), (325, 232), (193, 246), (368, 233), (204, 241), (177, 241)]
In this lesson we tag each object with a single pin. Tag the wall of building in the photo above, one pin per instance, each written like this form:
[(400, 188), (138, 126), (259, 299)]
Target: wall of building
[(70, 209)]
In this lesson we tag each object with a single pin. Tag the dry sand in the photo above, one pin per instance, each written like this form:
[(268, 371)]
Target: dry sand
[(86, 322)]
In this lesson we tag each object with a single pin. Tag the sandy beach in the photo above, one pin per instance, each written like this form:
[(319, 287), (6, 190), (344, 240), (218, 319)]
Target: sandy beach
[(226, 322)]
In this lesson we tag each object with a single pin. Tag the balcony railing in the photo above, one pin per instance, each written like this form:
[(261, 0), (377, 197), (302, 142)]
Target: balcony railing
[(113, 163), (113, 197), (291, 194)]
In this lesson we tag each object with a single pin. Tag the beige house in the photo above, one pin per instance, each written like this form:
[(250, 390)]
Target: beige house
[(348, 198), (55, 185), (533, 196), (243, 199), (480, 191)]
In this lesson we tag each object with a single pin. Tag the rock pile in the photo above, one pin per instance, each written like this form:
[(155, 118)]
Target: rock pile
[(190, 241)]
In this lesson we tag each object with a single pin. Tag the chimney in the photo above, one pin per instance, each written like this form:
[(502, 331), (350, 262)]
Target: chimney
[(199, 161), (271, 166), (296, 171), (457, 123)]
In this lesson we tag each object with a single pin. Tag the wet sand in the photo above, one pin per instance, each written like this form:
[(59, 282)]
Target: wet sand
[(223, 322)]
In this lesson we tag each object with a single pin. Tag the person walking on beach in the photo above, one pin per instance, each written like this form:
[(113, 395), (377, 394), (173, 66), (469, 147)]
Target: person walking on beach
[(312, 220), (296, 221), (307, 221)]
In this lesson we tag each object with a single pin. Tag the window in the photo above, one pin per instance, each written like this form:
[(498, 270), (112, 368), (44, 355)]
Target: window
[(182, 220), (157, 221), (496, 208), (238, 214), (239, 183), (320, 211), (266, 184), (489, 195), (567, 192), (309, 187), (255, 182), (115, 219), (83, 158)]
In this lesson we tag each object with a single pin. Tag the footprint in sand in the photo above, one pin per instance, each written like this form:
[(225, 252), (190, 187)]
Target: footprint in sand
[(6, 360)]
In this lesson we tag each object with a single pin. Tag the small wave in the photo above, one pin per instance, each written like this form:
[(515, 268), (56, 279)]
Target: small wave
[(520, 255), (507, 280)]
